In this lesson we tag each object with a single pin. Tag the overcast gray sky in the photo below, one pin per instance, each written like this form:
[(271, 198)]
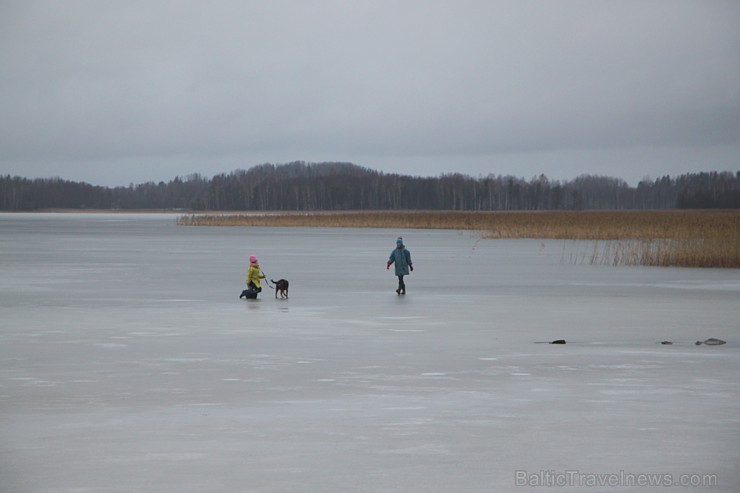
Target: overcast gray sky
[(113, 92)]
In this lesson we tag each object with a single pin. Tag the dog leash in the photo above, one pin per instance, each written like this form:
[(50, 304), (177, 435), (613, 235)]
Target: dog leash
[(266, 281)]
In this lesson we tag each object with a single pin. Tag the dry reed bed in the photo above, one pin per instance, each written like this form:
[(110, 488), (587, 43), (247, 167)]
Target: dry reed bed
[(658, 238), (342, 219)]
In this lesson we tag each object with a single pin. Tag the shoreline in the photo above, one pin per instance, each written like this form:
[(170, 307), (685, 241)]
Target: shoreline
[(681, 238), (670, 237)]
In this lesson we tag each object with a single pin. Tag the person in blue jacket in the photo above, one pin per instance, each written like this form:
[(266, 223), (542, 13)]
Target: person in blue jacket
[(402, 258)]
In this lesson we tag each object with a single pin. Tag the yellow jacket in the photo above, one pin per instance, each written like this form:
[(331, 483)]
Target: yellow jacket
[(254, 274)]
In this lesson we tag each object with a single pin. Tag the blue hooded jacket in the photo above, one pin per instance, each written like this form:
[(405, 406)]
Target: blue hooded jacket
[(402, 258)]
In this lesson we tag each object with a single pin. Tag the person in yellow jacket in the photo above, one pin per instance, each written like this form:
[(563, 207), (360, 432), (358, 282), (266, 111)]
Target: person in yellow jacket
[(254, 274)]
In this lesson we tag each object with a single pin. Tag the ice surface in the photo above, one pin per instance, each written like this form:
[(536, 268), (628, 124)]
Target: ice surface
[(128, 363)]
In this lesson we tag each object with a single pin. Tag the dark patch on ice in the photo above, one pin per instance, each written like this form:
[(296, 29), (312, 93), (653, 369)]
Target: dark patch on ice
[(711, 342)]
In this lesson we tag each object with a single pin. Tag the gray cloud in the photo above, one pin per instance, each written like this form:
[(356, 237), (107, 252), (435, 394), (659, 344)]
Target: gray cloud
[(118, 92)]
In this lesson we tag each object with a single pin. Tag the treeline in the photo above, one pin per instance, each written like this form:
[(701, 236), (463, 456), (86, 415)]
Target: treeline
[(302, 186)]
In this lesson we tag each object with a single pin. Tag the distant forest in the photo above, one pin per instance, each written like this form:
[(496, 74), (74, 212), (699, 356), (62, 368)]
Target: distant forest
[(304, 186)]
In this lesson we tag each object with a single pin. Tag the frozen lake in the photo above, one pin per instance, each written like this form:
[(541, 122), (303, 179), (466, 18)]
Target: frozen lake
[(128, 364)]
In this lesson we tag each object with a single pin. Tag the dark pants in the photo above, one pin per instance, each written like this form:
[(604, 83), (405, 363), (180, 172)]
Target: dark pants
[(401, 284), (254, 287)]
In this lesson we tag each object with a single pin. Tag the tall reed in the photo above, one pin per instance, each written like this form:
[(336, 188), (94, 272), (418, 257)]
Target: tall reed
[(656, 238)]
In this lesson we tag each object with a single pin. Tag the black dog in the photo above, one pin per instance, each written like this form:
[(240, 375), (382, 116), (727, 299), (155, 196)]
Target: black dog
[(281, 286)]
